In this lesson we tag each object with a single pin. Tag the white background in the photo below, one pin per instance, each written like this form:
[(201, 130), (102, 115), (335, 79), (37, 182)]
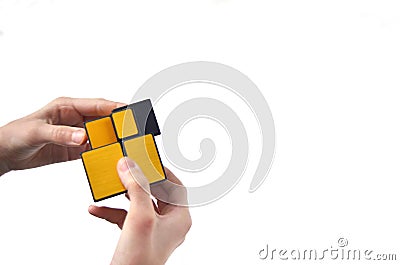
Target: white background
[(328, 69)]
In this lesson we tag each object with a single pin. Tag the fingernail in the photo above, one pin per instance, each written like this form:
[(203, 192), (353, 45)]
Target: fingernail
[(78, 136), (124, 164)]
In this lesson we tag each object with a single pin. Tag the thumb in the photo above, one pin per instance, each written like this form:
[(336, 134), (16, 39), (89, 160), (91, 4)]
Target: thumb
[(137, 185), (63, 135)]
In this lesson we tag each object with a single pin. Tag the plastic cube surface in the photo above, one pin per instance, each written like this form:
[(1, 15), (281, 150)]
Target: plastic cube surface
[(100, 132), (125, 124), (101, 170), (143, 151), (127, 131)]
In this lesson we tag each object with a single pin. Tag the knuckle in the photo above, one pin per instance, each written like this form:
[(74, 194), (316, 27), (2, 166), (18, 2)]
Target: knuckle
[(60, 100), (58, 134), (99, 105), (54, 108)]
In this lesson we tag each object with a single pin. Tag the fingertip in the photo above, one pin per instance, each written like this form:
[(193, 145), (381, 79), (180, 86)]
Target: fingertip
[(119, 104), (132, 176), (91, 209), (125, 164), (78, 137), (121, 166)]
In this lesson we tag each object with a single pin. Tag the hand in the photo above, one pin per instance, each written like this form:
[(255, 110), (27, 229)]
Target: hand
[(52, 134), (150, 232)]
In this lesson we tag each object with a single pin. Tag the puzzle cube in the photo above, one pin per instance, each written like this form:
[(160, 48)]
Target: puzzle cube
[(128, 131)]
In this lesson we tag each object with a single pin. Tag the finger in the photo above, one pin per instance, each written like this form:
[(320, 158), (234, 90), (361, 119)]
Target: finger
[(61, 135), (171, 191), (61, 153), (95, 107), (170, 194), (137, 186), (90, 118), (154, 204), (171, 176), (115, 216), (176, 193), (88, 106)]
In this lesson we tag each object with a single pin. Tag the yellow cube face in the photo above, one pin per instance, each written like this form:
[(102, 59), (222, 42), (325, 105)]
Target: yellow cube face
[(100, 132), (144, 152), (124, 123), (101, 170)]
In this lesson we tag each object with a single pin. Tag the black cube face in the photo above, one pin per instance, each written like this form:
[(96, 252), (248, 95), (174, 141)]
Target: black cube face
[(145, 118)]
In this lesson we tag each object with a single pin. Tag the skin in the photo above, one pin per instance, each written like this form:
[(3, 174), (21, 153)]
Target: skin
[(50, 135), (150, 232)]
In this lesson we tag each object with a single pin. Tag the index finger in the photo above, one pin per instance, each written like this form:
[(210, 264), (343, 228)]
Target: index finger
[(89, 106)]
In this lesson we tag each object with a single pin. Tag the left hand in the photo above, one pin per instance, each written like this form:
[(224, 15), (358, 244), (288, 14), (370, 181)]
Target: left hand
[(52, 134)]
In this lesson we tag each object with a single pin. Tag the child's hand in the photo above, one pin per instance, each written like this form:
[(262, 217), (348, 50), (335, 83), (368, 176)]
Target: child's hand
[(150, 232), (50, 135)]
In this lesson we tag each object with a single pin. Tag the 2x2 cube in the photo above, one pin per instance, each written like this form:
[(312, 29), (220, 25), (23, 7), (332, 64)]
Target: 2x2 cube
[(128, 131)]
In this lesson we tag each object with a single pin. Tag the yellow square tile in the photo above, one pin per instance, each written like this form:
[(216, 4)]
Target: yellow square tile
[(100, 132), (101, 170), (125, 124), (143, 151)]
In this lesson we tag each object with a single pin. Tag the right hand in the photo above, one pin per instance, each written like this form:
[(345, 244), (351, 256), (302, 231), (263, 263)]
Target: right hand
[(150, 232)]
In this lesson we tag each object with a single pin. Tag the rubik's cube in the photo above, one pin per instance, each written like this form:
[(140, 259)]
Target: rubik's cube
[(128, 131)]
